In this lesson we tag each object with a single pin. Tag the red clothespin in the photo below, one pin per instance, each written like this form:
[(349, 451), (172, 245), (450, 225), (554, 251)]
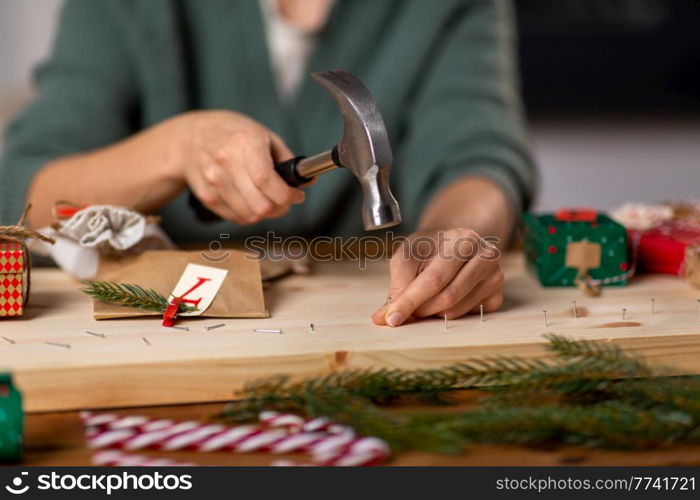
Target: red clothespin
[(170, 314), (576, 215)]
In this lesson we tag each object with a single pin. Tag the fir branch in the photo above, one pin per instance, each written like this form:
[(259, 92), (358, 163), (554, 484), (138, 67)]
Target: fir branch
[(128, 295), (382, 386), (607, 354), (594, 394), (681, 393), (611, 425)]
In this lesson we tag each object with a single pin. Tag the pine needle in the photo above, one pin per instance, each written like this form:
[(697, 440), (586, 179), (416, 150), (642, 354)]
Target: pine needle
[(604, 353), (128, 295), (593, 394)]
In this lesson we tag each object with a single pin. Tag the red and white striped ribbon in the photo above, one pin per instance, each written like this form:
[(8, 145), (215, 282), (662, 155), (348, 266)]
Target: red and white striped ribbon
[(327, 442)]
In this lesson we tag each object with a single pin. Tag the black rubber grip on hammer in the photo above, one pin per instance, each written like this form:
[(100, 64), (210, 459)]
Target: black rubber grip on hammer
[(288, 171)]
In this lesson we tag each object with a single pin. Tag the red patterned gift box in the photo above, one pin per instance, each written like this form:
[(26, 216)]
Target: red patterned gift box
[(14, 278)]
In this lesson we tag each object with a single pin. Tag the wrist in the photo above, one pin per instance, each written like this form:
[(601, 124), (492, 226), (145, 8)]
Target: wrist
[(175, 140)]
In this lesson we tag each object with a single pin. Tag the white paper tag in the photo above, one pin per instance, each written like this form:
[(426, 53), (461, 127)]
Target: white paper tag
[(198, 287)]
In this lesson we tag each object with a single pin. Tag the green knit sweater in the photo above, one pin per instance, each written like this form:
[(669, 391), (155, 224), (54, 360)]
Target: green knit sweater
[(442, 72)]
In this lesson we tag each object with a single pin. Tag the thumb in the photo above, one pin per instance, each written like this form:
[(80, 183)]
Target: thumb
[(280, 151), (403, 271)]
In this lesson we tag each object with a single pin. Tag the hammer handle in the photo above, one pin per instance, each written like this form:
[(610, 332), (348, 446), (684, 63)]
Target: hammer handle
[(287, 170)]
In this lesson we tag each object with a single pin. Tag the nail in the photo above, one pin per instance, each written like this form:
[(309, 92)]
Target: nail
[(58, 344), (267, 330), (445, 321), (545, 318), (394, 319), (624, 312), (183, 328), (9, 340), (311, 327), (481, 311), (101, 335), (145, 341), (214, 326), (653, 306), (388, 300), (573, 309)]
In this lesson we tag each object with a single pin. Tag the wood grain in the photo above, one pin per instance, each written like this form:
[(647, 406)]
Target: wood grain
[(199, 366)]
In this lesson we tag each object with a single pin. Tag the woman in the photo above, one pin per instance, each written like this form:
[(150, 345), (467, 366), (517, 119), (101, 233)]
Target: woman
[(142, 99)]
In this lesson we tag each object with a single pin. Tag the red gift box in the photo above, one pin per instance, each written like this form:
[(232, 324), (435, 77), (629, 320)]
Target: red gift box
[(14, 278), (662, 249)]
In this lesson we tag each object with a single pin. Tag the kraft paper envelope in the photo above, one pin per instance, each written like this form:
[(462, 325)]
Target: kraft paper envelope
[(240, 296)]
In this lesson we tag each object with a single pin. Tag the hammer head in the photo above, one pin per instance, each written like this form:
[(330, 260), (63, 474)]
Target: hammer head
[(364, 148)]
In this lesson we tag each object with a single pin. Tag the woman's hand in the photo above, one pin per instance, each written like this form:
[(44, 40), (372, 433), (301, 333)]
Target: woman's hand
[(441, 273), (226, 158), (229, 165)]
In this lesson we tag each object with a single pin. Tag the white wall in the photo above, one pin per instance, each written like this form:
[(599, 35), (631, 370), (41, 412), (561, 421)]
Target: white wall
[(604, 162), (26, 29), (596, 163)]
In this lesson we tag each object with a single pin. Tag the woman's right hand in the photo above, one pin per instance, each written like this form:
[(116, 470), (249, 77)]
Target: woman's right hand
[(229, 164)]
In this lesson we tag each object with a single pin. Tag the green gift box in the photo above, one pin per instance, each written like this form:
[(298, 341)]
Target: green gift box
[(573, 244), (11, 420)]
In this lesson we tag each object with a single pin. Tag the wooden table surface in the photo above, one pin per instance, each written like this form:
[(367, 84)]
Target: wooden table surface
[(199, 366), (57, 438)]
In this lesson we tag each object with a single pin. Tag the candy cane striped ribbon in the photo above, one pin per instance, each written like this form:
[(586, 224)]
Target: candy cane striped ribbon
[(328, 443)]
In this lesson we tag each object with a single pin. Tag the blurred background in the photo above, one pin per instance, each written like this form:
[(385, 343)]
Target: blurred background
[(612, 90)]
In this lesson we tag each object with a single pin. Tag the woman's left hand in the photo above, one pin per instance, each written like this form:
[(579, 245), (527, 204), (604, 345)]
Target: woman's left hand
[(437, 273)]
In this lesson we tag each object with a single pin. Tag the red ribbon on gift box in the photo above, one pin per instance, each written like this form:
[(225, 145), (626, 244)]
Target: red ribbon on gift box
[(576, 215)]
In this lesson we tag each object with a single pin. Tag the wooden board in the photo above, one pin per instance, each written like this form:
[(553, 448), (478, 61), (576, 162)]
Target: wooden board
[(197, 366)]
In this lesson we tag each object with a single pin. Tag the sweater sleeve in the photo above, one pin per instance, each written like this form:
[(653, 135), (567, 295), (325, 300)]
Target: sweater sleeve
[(466, 117), (85, 99)]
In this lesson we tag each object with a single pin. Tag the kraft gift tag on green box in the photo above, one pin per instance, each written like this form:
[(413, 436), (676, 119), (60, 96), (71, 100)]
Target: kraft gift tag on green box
[(563, 246)]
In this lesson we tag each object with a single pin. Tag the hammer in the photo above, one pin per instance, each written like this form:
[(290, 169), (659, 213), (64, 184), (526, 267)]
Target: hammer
[(363, 149)]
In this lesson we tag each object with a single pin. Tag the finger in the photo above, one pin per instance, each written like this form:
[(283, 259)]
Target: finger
[(215, 205), (237, 158), (464, 282), (261, 172), (279, 211), (223, 196), (378, 316), (429, 282), (279, 149), (492, 303), (487, 295), (265, 154), (209, 195), (403, 269), (262, 205)]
